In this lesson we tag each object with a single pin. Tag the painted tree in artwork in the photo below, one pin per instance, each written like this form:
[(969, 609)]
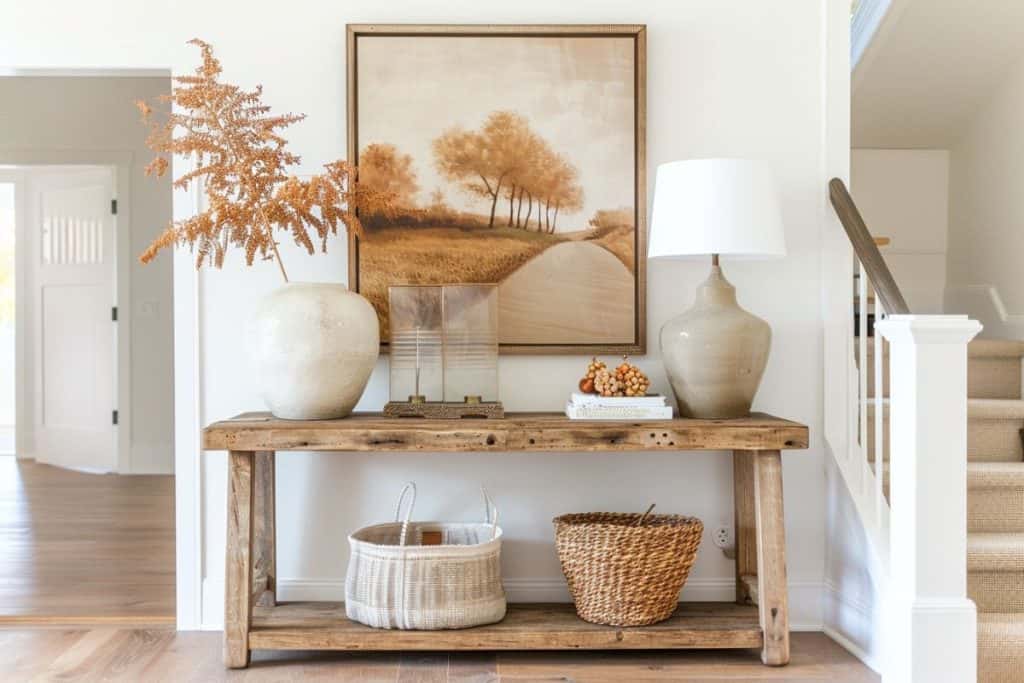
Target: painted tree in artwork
[(506, 160), (562, 192), (523, 180), (483, 161), (382, 167)]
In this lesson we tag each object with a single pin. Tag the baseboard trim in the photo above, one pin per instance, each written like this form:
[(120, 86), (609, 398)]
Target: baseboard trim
[(867, 659), (805, 597), (854, 611)]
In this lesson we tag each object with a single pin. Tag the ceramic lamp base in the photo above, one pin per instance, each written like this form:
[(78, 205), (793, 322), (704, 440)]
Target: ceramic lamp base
[(715, 353)]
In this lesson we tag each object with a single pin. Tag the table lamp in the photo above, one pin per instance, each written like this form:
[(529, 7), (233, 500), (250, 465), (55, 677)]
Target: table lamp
[(715, 353)]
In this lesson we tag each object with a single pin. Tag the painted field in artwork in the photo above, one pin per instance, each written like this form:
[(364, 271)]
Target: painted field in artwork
[(512, 161)]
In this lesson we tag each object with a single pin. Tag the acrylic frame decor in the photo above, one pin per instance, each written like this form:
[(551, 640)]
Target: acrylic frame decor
[(517, 156), (444, 351)]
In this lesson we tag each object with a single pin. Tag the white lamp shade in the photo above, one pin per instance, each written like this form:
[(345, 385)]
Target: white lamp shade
[(715, 206)]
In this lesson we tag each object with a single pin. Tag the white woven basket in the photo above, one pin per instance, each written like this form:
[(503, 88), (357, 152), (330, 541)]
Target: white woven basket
[(394, 581)]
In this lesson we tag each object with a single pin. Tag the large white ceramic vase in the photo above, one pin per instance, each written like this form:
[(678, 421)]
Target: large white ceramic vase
[(314, 346)]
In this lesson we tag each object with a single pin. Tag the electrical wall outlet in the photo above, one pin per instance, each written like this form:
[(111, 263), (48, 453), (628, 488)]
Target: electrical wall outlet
[(724, 538)]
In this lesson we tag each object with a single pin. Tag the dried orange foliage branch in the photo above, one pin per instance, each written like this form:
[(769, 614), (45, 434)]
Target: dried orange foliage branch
[(242, 161)]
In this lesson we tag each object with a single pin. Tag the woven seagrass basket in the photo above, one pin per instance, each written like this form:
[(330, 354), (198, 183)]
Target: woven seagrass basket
[(626, 569)]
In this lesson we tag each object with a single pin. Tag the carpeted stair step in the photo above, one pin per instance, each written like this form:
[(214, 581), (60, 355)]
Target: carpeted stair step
[(995, 497), (1000, 648), (993, 429), (995, 572), (993, 368)]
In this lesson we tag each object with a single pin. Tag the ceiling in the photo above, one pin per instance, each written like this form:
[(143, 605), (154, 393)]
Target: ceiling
[(929, 68)]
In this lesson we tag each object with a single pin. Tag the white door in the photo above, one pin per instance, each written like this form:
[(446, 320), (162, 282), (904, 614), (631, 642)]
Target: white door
[(72, 232)]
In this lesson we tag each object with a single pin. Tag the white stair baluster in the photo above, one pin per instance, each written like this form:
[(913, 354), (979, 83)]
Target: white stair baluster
[(880, 502)]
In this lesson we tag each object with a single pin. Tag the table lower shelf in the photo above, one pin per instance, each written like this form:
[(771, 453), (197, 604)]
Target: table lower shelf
[(553, 626)]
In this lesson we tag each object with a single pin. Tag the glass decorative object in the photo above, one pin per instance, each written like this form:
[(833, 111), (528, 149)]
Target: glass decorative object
[(470, 343), (444, 351), (416, 343)]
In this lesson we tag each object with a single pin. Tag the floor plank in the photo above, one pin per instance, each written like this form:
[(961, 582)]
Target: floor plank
[(158, 655), (472, 667), (84, 548)]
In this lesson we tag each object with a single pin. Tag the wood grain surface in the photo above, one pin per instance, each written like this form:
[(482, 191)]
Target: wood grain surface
[(323, 626), (540, 432), (159, 656), (238, 597), (744, 524), (264, 526), (491, 410), (84, 549), (772, 597)]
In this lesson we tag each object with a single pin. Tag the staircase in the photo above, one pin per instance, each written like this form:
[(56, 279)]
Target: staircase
[(995, 499)]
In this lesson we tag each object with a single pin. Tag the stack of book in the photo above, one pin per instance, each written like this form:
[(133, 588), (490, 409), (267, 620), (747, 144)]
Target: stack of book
[(594, 407)]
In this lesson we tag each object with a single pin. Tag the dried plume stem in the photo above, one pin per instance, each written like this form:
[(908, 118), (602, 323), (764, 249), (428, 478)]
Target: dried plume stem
[(243, 161)]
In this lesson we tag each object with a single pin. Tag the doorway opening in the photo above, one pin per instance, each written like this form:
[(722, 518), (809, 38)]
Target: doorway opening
[(87, 517)]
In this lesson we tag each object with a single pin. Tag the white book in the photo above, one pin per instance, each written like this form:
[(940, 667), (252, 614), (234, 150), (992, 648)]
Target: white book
[(596, 412), (654, 400)]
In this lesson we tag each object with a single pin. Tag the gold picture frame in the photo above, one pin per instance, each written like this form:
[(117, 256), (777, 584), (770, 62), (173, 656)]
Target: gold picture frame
[(386, 61)]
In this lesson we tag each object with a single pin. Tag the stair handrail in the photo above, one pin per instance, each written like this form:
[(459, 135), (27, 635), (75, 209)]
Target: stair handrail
[(867, 251)]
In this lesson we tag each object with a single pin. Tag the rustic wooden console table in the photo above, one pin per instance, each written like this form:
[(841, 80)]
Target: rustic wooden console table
[(254, 620)]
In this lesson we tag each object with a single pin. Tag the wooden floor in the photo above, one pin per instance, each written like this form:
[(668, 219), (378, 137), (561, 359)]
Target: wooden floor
[(163, 655), (80, 548)]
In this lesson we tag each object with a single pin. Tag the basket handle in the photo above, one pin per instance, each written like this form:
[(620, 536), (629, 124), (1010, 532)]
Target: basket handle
[(643, 517), (409, 487), (488, 518)]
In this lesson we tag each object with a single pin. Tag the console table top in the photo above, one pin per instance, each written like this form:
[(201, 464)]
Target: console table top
[(540, 432)]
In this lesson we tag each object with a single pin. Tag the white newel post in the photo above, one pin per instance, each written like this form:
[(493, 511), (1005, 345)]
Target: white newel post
[(932, 624)]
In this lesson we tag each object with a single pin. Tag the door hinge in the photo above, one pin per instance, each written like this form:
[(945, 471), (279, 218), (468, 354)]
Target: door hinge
[(113, 207), (113, 314), (113, 417)]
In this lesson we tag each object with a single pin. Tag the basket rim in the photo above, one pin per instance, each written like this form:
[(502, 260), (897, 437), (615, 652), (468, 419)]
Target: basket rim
[(449, 548), (577, 519)]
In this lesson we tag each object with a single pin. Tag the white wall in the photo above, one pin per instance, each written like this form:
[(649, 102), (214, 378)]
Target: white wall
[(986, 233), (724, 79), (93, 120), (7, 362), (903, 195), (854, 576)]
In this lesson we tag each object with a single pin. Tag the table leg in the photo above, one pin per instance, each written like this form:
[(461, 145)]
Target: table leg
[(238, 601), (264, 531), (745, 524), (771, 557)]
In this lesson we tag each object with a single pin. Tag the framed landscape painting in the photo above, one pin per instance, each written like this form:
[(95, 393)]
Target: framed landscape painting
[(516, 156)]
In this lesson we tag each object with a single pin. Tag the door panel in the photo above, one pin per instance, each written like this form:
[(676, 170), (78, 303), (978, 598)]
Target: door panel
[(74, 292)]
